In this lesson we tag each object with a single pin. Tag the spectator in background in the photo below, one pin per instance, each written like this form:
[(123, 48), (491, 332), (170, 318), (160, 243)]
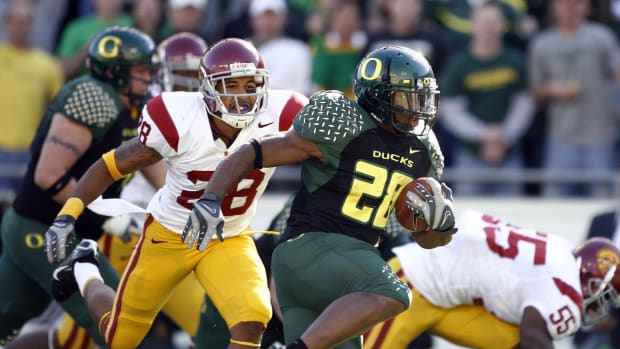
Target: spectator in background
[(607, 332), (187, 15), (215, 15), (288, 60), (606, 12), (571, 67), (405, 27), (150, 17), (48, 16), (237, 22), (317, 21), (30, 79), (485, 103), (337, 51), (453, 16), (377, 15), (75, 38)]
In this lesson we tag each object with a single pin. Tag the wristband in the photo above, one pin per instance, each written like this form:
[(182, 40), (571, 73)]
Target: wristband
[(258, 154), (110, 164), (73, 207)]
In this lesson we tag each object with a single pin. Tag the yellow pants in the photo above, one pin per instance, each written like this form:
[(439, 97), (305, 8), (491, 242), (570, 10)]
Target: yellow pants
[(469, 326), (183, 307), (231, 273)]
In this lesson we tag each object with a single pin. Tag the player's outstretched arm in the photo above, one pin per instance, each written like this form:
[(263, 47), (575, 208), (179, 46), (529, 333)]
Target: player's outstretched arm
[(289, 148), (113, 165), (129, 157), (206, 218), (533, 331), (156, 174)]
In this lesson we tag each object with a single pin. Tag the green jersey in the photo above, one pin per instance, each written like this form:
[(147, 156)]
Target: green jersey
[(91, 103), (352, 191)]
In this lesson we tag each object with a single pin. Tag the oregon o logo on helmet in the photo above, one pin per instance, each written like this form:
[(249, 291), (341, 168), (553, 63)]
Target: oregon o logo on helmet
[(107, 51), (375, 74)]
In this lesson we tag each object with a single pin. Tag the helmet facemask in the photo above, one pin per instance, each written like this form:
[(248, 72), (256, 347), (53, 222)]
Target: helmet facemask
[(411, 110), (242, 113), (180, 74), (178, 58), (137, 100), (599, 298)]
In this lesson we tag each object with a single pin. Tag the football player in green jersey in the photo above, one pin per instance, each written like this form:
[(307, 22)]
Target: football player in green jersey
[(79, 126), (356, 156)]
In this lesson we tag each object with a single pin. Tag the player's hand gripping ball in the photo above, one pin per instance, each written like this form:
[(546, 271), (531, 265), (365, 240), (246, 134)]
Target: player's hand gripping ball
[(406, 215), (425, 204)]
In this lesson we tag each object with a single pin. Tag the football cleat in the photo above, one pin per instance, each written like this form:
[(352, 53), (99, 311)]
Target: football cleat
[(63, 279)]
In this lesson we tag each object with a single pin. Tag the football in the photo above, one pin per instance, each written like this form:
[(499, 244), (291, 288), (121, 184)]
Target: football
[(404, 214)]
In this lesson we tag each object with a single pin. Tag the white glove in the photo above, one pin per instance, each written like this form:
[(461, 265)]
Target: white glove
[(122, 226), (436, 208)]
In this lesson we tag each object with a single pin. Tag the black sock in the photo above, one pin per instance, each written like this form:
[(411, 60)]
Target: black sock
[(297, 344)]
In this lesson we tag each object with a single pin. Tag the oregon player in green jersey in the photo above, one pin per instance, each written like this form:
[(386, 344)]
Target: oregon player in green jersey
[(79, 126), (331, 281), (213, 332)]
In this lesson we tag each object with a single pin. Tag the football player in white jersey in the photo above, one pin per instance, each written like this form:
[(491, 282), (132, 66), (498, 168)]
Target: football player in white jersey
[(193, 132), (497, 285), (178, 58)]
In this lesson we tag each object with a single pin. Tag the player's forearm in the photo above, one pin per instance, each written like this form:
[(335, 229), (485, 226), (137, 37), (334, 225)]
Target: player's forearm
[(93, 183), (231, 170), (533, 331), (156, 174)]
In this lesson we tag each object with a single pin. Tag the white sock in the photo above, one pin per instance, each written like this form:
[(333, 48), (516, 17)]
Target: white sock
[(84, 273)]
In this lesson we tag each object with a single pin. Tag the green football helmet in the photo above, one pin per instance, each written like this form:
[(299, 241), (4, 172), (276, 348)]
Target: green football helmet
[(115, 50), (397, 86)]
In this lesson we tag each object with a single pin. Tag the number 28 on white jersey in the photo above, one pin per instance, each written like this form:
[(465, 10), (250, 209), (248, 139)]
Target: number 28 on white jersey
[(177, 126)]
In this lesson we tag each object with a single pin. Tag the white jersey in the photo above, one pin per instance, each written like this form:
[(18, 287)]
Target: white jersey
[(503, 267), (176, 125)]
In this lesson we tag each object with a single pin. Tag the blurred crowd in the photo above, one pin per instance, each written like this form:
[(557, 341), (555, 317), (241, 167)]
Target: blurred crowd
[(525, 84)]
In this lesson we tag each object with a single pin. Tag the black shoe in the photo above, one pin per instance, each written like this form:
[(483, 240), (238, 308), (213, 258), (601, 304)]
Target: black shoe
[(63, 279)]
